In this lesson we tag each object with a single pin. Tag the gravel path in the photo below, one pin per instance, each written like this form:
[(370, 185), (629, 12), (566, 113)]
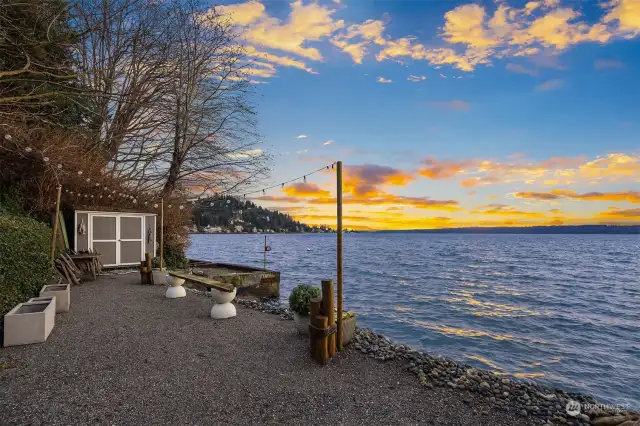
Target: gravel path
[(126, 355)]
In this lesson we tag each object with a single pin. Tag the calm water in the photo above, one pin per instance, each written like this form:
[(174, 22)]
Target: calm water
[(562, 309)]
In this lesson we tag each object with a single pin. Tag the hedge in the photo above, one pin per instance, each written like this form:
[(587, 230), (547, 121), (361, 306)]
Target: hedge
[(24, 259)]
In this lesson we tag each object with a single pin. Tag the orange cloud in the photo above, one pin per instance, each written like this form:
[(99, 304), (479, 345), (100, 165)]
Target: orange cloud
[(305, 190), (628, 196), (503, 209), (552, 171), (479, 181), (615, 212), (443, 169), (365, 180), (277, 199)]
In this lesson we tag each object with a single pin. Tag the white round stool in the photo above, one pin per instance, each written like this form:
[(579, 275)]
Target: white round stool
[(176, 290), (223, 308)]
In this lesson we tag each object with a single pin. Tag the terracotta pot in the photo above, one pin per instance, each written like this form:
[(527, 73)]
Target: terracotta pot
[(302, 323)]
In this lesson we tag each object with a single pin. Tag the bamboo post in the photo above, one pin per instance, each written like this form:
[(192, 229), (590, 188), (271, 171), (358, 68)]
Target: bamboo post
[(55, 225), (314, 311), (339, 259), (162, 234), (322, 347), (327, 309)]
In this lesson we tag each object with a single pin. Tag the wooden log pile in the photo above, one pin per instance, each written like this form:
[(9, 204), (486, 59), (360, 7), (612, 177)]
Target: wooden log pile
[(67, 269), (322, 328)]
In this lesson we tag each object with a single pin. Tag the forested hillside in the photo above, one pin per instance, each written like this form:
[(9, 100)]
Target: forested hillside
[(230, 214)]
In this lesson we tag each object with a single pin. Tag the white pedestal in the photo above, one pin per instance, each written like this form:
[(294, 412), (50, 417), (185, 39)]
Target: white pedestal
[(223, 308), (175, 292)]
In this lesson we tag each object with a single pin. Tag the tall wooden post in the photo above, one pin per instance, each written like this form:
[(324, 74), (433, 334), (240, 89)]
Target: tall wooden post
[(55, 225), (339, 259), (327, 309), (162, 233)]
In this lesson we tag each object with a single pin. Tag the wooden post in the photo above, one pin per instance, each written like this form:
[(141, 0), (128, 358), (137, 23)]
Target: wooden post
[(339, 259), (55, 225), (314, 311), (328, 311), (322, 348), (162, 233)]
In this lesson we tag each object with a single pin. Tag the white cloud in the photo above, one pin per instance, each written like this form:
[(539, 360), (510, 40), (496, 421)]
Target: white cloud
[(416, 78), (329, 142), (301, 136), (246, 154), (383, 80), (302, 151)]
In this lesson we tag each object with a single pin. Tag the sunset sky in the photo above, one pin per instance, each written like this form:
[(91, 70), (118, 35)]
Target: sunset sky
[(447, 113)]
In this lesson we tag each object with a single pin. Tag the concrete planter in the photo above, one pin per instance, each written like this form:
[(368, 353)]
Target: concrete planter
[(223, 308), (62, 292), (348, 328), (30, 322), (302, 323), (159, 276)]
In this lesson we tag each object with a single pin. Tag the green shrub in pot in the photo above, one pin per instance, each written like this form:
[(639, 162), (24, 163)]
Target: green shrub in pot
[(301, 296)]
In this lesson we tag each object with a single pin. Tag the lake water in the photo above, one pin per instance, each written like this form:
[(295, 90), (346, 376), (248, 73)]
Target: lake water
[(561, 309)]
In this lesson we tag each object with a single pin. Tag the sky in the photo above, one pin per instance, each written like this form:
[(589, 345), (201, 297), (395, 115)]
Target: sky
[(446, 113)]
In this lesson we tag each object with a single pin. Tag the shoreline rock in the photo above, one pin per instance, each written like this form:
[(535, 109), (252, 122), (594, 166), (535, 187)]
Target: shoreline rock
[(524, 397)]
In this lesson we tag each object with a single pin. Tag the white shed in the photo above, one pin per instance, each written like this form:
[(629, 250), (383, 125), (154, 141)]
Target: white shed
[(122, 238)]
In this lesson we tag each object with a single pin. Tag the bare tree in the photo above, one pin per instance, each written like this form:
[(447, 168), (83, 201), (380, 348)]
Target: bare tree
[(37, 82), (213, 144), (123, 62)]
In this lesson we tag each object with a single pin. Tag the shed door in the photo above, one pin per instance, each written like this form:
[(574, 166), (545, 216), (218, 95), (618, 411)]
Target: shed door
[(131, 239), (104, 238)]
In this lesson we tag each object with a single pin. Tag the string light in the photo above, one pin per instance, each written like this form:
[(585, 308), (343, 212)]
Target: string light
[(45, 159), (282, 184), (79, 172), (59, 166), (181, 207), (28, 149)]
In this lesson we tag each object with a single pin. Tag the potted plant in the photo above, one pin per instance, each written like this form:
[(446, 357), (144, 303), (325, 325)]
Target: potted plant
[(299, 301)]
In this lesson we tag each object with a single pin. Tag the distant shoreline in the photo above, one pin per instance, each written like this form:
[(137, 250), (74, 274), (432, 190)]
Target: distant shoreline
[(541, 230)]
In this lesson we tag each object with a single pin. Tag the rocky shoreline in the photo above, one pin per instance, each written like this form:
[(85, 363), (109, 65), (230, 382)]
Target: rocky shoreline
[(524, 397)]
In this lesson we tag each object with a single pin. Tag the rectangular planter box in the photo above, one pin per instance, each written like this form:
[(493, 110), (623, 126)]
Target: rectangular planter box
[(62, 292), (29, 322)]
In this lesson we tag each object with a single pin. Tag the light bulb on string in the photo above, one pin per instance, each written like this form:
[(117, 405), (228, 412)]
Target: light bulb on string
[(97, 184), (79, 172), (88, 179), (134, 201), (169, 206), (155, 206), (28, 149), (45, 159), (59, 166), (181, 207)]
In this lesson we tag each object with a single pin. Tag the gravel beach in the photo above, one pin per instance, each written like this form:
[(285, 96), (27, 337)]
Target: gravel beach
[(126, 355)]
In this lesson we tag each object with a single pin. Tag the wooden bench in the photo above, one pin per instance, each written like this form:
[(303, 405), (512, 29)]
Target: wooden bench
[(207, 282)]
